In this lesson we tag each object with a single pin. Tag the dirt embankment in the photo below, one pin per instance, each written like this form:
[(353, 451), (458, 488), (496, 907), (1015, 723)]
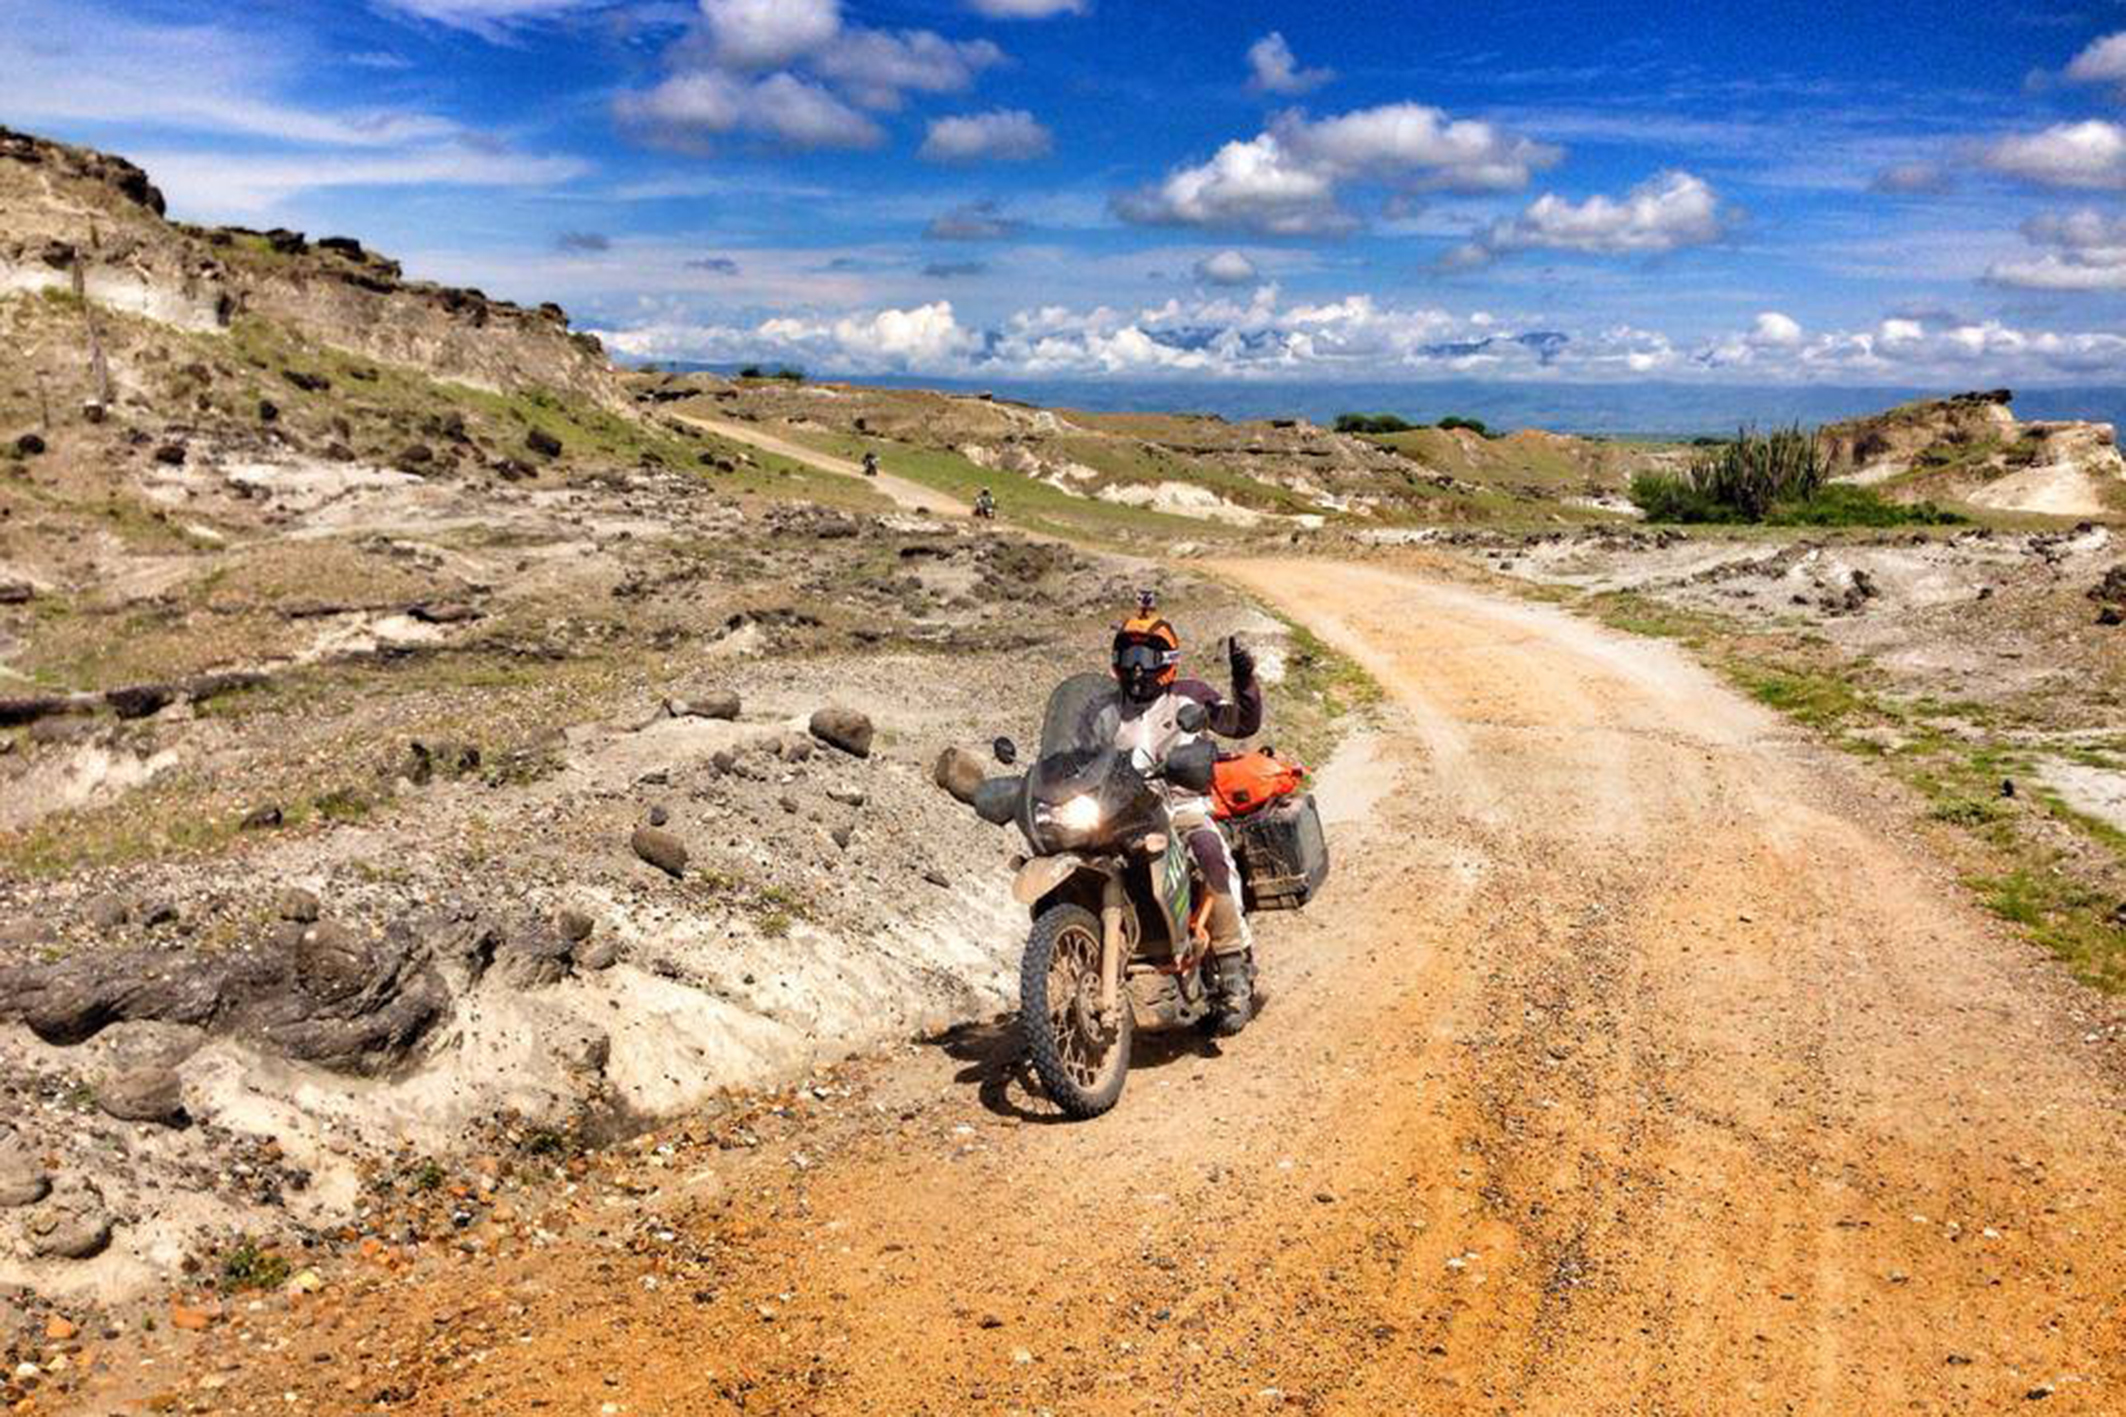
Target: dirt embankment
[(1636, 1062)]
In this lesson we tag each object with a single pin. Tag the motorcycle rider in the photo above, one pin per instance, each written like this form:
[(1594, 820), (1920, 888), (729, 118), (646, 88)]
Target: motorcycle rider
[(870, 464), (985, 505), (1147, 666)]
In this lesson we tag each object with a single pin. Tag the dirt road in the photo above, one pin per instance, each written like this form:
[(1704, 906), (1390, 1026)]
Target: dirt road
[(1633, 1064), (914, 496)]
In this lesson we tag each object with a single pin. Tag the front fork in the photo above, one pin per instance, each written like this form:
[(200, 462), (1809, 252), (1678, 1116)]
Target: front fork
[(1113, 945)]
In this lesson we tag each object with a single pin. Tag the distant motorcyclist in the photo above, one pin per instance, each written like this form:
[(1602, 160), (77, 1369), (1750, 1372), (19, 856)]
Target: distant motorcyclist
[(985, 506), (1147, 660), (870, 463)]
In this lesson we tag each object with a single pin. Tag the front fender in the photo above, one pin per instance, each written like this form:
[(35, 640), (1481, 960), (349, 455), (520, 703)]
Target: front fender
[(1043, 874)]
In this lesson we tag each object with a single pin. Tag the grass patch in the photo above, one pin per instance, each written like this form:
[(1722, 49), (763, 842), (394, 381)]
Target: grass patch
[(248, 1266)]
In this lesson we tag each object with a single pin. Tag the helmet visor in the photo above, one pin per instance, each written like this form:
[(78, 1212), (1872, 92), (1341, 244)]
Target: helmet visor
[(1139, 659)]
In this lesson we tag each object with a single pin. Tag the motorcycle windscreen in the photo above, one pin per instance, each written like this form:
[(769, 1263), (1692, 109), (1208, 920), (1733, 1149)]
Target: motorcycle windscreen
[(1084, 713)]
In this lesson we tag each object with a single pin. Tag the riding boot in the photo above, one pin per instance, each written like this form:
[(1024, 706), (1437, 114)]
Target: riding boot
[(1236, 967)]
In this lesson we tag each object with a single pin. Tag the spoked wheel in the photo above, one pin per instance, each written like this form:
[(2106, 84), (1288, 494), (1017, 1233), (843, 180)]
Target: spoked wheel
[(1081, 1059)]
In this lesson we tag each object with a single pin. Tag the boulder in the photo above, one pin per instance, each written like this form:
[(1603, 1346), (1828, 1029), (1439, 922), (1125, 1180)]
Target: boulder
[(545, 444), (601, 953), (332, 962), (574, 925), (534, 957), (661, 849), (71, 1224), (144, 1094), (704, 703), (845, 729), (960, 773), (140, 700)]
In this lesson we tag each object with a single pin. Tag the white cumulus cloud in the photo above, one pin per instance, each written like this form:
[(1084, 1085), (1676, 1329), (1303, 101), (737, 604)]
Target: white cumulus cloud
[(1005, 135), (1273, 68), (766, 34), (780, 108), (2089, 155), (1227, 268), (1665, 213), (2084, 250), (793, 74), (1289, 180), (2103, 62)]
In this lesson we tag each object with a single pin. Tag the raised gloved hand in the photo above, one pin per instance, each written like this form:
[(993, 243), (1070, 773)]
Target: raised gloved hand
[(1243, 662)]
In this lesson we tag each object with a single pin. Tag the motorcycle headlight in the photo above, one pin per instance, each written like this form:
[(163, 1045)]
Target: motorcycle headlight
[(1079, 814)]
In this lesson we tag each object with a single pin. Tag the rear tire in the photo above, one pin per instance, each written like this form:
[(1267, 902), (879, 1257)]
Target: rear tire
[(1081, 1068)]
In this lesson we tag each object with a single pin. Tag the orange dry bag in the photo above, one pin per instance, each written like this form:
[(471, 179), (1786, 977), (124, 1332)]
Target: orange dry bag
[(1247, 782)]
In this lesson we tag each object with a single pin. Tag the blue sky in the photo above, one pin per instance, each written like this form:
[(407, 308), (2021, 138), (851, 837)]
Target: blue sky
[(1887, 193)]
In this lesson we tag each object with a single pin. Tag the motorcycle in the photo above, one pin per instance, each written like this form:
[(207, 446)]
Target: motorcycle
[(1119, 911)]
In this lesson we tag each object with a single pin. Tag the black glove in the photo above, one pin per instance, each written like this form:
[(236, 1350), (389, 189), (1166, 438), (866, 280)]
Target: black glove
[(1243, 664)]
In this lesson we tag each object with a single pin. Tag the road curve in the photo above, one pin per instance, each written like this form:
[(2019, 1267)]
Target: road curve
[(913, 496), (1634, 1063)]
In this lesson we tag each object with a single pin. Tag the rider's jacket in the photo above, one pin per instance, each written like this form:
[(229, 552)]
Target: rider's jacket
[(1148, 732)]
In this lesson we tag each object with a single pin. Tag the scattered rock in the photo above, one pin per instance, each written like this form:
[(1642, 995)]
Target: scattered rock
[(723, 760), (170, 454), (298, 905), (575, 926), (842, 836), (960, 773), (661, 849), (545, 444), (847, 796), (309, 383), (704, 703), (108, 912), (937, 878), (29, 445), (444, 612), (845, 729), (262, 818), (268, 411), (793, 748), (72, 1223), (659, 816), (190, 1319), (416, 455), (601, 953), (17, 592), (144, 1094), (23, 1180)]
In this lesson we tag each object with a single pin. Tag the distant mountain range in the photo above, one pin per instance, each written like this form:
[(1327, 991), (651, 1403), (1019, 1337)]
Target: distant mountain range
[(1652, 409)]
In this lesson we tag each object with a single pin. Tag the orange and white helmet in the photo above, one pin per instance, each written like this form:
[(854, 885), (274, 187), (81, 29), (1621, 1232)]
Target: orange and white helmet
[(1147, 654)]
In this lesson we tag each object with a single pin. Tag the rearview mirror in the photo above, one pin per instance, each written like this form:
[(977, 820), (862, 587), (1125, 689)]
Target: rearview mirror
[(1005, 751)]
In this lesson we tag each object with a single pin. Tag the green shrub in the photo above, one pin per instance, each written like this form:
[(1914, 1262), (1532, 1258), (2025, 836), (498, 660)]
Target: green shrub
[(1777, 478), (1373, 423), (1474, 425)]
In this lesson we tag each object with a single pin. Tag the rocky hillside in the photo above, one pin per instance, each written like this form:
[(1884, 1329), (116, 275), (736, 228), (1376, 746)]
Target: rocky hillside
[(1205, 475), (84, 224), (412, 742), (1972, 449)]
